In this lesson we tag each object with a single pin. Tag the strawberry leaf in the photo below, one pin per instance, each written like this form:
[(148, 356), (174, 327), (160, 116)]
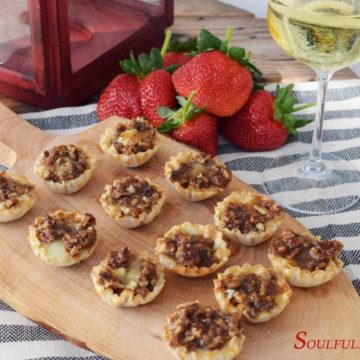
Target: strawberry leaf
[(144, 64), (178, 46), (207, 41), (176, 118), (171, 68), (284, 107), (165, 112)]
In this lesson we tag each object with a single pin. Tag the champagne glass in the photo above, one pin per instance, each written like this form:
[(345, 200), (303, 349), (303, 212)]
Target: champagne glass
[(325, 35)]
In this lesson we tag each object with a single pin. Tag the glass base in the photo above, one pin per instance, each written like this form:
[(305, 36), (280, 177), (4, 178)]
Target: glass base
[(311, 187)]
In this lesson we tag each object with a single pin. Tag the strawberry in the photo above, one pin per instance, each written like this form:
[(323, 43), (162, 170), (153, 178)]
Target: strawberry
[(191, 125), (179, 53), (120, 98), (173, 58), (156, 88), (265, 121), (221, 76)]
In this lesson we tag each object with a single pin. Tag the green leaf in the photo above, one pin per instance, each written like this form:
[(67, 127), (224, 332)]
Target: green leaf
[(237, 53), (207, 41), (178, 46), (156, 58), (301, 123), (171, 68), (171, 124), (165, 112), (181, 100), (223, 47)]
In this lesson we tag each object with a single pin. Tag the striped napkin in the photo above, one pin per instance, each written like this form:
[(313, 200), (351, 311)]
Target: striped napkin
[(21, 339)]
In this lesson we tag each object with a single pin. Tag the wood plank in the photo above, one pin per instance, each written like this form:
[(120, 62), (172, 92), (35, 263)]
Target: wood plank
[(65, 301), (205, 8)]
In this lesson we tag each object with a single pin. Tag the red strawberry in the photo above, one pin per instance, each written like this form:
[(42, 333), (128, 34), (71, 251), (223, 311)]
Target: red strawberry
[(120, 98), (221, 78), (265, 121), (179, 51), (222, 85), (156, 90), (173, 58), (191, 126)]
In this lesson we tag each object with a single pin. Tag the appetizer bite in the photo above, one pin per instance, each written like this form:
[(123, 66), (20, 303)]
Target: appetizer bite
[(131, 143), (63, 238), (192, 250), (254, 291), (128, 280), (17, 196), (198, 332), (132, 201), (197, 176), (304, 259), (248, 218), (65, 169)]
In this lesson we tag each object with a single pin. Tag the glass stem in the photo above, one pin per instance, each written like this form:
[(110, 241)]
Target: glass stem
[(315, 153)]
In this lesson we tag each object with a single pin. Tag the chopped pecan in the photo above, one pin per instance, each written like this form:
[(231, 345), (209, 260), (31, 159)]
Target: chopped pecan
[(202, 328), (258, 293), (122, 258), (307, 253), (201, 173), (76, 236), (191, 250), (11, 189), (134, 194), (250, 217)]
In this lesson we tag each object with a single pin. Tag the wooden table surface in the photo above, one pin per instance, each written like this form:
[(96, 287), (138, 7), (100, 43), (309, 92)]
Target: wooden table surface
[(251, 33)]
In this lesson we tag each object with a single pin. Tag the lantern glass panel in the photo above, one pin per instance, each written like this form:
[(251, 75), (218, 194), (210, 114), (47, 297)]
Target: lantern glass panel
[(20, 38), (96, 26)]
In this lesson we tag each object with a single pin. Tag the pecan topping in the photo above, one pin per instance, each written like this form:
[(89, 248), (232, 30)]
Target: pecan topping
[(133, 138), (305, 252), (191, 250), (10, 189), (251, 216), (202, 328), (64, 162), (135, 195), (258, 293), (75, 235), (202, 173), (125, 259), (122, 258)]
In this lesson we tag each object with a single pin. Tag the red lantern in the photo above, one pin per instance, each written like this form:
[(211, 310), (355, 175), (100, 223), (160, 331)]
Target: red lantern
[(59, 52)]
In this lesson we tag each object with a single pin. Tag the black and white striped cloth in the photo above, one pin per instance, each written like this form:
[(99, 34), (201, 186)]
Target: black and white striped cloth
[(21, 339)]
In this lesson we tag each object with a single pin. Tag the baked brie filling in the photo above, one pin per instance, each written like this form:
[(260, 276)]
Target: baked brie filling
[(201, 172), (133, 137), (12, 191), (305, 252), (123, 270), (195, 327)]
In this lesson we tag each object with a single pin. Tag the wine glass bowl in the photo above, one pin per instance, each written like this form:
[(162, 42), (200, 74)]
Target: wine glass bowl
[(325, 35)]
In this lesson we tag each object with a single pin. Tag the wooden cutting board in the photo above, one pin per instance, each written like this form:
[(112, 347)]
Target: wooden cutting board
[(64, 300)]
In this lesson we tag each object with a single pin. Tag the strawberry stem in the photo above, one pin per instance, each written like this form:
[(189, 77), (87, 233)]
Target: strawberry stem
[(188, 102), (302, 107), (166, 43), (229, 32)]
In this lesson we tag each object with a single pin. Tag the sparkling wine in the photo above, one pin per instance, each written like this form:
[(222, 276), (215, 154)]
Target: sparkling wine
[(324, 34)]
